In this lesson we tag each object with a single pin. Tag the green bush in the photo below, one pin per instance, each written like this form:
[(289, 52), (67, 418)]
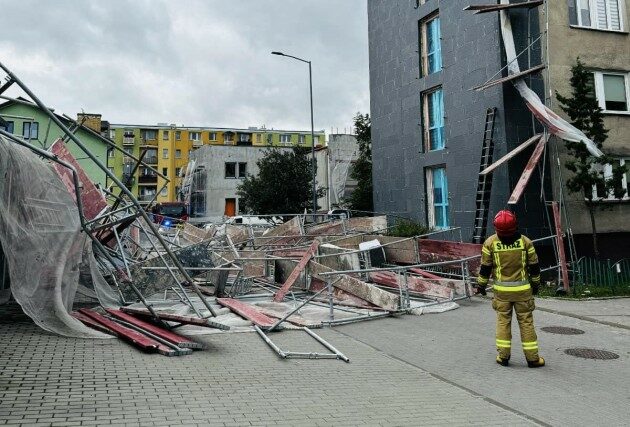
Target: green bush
[(407, 228)]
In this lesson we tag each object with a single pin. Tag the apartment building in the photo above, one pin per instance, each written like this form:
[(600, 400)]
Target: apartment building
[(428, 123), (168, 147)]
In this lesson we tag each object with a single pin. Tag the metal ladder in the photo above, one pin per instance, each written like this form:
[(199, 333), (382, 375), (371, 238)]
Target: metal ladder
[(484, 183)]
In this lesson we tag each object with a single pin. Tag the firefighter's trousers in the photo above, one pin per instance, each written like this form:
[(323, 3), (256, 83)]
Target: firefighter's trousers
[(504, 303)]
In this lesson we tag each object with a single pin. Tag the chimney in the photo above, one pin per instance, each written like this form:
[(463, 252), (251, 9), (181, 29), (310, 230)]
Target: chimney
[(92, 121)]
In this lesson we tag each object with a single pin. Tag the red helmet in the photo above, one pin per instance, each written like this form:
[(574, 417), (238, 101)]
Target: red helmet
[(505, 223)]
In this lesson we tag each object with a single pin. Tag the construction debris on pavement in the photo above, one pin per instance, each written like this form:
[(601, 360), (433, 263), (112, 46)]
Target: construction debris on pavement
[(157, 287)]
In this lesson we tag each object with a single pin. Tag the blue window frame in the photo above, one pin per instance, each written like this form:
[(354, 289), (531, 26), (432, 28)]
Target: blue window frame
[(434, 120), (438, 197), (434, 48)]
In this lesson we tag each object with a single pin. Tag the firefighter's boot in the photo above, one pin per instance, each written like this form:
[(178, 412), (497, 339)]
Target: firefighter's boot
[(503, 362), (536, 363)]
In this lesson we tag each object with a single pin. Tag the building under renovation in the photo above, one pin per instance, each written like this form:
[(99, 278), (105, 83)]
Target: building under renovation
[(447, 99)]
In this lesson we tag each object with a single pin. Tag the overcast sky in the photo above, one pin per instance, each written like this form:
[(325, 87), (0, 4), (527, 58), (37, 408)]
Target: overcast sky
[(192, 62)]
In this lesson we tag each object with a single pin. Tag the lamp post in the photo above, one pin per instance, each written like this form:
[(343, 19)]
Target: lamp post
[(310, 82)]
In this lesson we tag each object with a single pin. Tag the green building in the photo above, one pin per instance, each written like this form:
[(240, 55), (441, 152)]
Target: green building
[(27, 120)]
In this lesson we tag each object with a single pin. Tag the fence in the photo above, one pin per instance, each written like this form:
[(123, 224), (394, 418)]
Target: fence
[(610, 274)]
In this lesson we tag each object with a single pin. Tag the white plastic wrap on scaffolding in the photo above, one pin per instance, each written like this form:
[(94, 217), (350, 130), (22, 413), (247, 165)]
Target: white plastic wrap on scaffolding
[(41, 238), (554, 123)]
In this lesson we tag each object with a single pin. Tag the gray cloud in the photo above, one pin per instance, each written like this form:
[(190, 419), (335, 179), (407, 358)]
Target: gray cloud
[(192, 61)]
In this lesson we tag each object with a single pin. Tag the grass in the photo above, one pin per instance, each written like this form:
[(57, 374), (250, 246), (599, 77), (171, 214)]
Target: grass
[(581, 291)]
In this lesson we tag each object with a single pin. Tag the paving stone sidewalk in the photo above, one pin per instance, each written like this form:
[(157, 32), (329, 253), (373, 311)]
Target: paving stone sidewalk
[(412, 370)]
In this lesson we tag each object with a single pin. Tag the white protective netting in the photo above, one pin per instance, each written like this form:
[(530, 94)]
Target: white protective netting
[(42, 241)]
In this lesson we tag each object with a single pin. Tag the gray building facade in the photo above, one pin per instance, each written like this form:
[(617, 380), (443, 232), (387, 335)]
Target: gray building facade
[(425, 159)]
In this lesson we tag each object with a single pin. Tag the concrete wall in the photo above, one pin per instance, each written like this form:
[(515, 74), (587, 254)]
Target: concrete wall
[(598, 50), (218, 188), (471, 54)]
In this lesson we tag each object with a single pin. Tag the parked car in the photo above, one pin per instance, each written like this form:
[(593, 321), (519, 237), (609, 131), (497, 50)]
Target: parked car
[(169, 213)]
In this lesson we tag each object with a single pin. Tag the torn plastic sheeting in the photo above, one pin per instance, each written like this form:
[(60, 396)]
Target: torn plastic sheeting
[(41, 237), (554, 123)]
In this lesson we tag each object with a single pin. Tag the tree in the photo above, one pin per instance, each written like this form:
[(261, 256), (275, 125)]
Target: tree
[(587, 170), (361, 197), (284, 184)]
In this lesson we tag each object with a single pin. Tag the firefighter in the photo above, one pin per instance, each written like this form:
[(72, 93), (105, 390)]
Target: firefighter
[(512, 259)]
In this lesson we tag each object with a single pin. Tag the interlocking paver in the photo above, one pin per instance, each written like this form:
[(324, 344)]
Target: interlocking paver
[(414, 370)]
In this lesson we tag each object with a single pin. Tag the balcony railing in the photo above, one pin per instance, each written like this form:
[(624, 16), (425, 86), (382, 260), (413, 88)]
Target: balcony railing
[(197, 143), (147, 179), (129, 140), (150, 160)]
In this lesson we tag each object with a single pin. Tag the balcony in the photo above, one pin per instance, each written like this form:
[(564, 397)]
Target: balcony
[(128, 161), (197, 143), (148, 142), (147, 179), (129, 140), (150, 160)]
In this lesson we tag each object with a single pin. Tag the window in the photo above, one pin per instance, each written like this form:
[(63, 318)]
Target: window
[(244, 137), (8, 127), (165, 171), (285, 138), (165, 135), (316, 140), (269, 139), (165, 153), (600, 194), (164, 192), (433, 120), (258, 138), (178, 135), (178, 154), (227, 137), (112, 133), (30, 130), (301, 139), (242, 170), (598, 14), (110, 152), (430, 46), (128, 150), (149, 135), (194, 136), (437, 197), (178, 171), (111, 170), (230, 170), (213, 136), (612, 90)]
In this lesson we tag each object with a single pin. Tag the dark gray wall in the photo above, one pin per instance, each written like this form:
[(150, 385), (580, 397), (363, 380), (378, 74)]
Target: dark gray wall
[(471, 54)]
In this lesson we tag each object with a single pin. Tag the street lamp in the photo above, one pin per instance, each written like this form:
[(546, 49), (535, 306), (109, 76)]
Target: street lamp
[(310, 82)]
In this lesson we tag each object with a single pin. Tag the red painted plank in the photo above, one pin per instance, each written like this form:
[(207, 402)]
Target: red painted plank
[(562, 259), (279, 296), (93, 200), (527, 173), (167, 335), (134, 337), (425, 273), (340, 296), (414, 284), (91, 323), (175, 318), (247, 311)]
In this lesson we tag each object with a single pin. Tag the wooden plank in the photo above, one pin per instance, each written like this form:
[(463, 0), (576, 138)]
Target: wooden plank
[(509, 77), (414, 284), (165, 334), (562, 259), (88, 321), (279, 296), (485, 8), (340, 297), (511, 154), (248, 312), (176, 318), (363, 290), (442, 250), (127, 334), (527, 173), (294, 318), (425, 273)]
